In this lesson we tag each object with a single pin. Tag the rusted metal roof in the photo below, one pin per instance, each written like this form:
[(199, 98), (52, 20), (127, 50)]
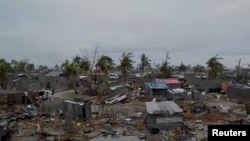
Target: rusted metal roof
[(54, 73), (168, 80)]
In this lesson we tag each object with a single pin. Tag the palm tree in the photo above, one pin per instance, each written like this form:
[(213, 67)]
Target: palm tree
[(77, 59), (14, 64), (214, 67), (63, 65), (82, 63), (105, 64), (43, 67), (71, 70), (18, 66), (126, 63), (198, 69), (145, 62), (182, 68), (30, 67)]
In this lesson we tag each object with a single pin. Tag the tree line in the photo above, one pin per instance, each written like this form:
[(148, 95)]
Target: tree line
[(105, 64)]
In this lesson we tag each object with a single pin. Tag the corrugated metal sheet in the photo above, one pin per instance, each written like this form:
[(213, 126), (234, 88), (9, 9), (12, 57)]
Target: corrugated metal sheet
[(181, 76), (154, 107), (156, 85), (73, 102), (54, 73), (119, 86), (168, 120)]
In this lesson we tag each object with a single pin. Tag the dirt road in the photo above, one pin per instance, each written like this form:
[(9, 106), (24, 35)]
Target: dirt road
[(63, 94)]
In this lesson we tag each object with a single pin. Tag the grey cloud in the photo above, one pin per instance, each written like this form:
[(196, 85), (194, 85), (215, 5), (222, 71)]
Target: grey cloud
[(58, 29)]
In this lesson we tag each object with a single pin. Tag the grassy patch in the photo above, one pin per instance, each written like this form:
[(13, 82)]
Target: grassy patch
[(73, 95)]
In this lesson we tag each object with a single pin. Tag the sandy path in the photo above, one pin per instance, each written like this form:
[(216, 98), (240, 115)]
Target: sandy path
[(63, 94)]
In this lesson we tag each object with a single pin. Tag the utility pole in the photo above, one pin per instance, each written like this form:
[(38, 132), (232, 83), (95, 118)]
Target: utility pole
[(167, 57), (238, 70)]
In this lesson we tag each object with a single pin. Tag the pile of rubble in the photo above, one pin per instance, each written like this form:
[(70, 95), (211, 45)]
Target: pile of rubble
[(49, 122)]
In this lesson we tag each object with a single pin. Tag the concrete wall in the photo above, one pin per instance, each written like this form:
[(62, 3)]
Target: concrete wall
[(76, 113), (203, 84), (239, 93), (163, 122), (173, 86), (12, 98), (162, 94), (59, 83), (49, 106), (124, 90)]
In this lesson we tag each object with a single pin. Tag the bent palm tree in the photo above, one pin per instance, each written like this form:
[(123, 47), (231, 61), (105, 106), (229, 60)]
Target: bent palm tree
[(145, 62), (105, 64), (71, 70), (214, 67), (126, 63)]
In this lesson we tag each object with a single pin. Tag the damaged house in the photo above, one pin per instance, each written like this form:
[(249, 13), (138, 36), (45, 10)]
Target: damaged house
[(164, 115), (202, 84), (76, 112), (175, 87), (118, 93), (56, 80), (157, 90)]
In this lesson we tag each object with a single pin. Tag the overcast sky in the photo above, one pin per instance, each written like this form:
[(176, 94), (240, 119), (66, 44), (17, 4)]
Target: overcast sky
[(50, 31)]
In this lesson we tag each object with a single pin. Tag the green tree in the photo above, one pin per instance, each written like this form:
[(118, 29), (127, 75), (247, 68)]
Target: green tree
[(30, 67), (43, 67), (56, 67), (182, 68), (106, 84), (215, 68), (5, 67), (18, 66), (14, 64), (165, 70), (145, 62), (126, 63), (64, 64), (77, 59), (198, 69), (105, 64), (83, 64), (71, 71)]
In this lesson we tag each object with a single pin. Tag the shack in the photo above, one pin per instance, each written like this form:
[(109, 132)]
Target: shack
[(10, 98), (117, 89), (164, 115), (118, 93), (56, 80), (76, 111), (203, 84), (157, 90)]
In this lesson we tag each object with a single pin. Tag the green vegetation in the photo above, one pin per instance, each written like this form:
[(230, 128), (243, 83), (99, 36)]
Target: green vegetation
[(79, 65), (126, 63), (215, 68), (74, 95)]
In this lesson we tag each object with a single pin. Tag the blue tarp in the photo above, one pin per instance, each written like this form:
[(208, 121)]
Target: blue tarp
[(156, 85)]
